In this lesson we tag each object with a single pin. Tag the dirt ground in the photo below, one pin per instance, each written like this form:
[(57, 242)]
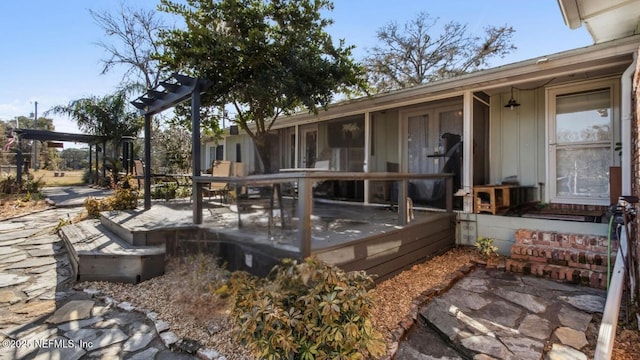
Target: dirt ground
[(16, 205)]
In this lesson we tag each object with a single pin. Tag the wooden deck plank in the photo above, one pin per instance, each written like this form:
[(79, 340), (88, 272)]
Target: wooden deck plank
[(99, 255), (92, 238), (386, 254)]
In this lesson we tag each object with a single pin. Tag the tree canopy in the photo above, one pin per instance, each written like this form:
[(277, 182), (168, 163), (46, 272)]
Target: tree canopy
[(413, 54), (265, 58)]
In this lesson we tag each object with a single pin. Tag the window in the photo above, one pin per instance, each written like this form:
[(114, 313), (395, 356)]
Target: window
[(582, 131)]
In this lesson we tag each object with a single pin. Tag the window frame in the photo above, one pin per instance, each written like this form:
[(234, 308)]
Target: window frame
[(551, 93)]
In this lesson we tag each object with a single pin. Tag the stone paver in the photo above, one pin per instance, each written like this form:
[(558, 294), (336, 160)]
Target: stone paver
[(574, 338), (73, 310)]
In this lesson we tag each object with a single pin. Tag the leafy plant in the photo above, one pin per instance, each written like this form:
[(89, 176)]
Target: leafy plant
[(124, 198), (30, 185), (485, 247), (306, 311), (61, 223), (166, 191)]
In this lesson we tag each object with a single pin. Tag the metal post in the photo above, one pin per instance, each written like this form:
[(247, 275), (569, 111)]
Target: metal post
[(34, 143), (449, 193), (147, 161), (90, 160), (196, 188), (305, 207), (19, 162), (97, 164), (104, 160)]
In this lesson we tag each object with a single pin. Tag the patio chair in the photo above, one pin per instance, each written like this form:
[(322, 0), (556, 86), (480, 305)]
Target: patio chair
[(138, 173), (219, 189)]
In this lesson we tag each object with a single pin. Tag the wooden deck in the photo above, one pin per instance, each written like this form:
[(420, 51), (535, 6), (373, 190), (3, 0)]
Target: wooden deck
[(131, 246), (386, 254)]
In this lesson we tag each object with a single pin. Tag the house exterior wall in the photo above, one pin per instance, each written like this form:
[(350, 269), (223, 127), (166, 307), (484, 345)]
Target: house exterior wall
[(517, 138), (385, 141)]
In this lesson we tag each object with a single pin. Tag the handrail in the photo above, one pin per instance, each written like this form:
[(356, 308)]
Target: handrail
[(306, 179), (268, 179), (607, 332)]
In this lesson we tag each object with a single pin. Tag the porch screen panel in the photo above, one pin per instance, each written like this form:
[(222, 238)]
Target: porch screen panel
[(583, 144), (418, 149)]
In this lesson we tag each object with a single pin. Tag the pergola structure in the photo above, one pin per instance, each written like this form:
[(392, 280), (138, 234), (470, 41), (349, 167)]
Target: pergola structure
[(45, 135), (169, 93)]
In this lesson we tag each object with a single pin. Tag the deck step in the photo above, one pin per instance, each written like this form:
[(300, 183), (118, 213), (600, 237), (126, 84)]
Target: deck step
[(98, 254), (142, 228)]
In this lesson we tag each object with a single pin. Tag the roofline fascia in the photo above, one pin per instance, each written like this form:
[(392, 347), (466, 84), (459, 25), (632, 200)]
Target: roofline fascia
[(543, 67), (570, 13)]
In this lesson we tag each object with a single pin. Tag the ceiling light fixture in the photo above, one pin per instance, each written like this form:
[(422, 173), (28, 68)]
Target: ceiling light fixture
[(512, 103)]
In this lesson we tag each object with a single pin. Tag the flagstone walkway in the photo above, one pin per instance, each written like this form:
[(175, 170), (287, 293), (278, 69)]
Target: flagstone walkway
[(491, 314), (43, 317)]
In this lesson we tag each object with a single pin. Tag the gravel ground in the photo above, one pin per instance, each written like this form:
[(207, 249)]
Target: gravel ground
[(185, 297)]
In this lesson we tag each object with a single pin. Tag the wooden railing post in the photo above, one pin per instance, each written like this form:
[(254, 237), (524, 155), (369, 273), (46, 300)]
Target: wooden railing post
[(305, 207), (403, 193)]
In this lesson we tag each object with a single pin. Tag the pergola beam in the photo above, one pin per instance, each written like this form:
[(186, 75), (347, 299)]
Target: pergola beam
[(167, 94)]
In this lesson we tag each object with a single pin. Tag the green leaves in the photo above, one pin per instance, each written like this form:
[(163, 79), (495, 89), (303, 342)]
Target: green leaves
[(267, 58), (306, 311)]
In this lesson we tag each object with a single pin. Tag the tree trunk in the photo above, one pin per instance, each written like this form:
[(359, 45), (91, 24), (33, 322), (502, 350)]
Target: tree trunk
[(262, 143)]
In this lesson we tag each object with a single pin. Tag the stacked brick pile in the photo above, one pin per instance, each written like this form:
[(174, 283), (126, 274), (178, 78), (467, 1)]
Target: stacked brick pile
[(575, 258)]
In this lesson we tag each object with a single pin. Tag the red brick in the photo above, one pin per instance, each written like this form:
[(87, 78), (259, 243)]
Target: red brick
[(599, 268), (519, 257), (538, 259), (599, 249), (574, 264)]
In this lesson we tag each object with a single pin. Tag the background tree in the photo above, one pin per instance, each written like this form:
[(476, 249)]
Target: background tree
[(74, 159), (111, 116), (172, 150), (132, 39), (265, 58), (413, 54), (45, 155), (134, 33)]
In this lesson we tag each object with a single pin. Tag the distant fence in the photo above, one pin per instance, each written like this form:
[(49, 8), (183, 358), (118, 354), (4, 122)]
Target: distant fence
[(8, 170)]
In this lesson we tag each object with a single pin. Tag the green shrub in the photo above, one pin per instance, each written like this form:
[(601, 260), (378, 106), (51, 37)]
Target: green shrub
[(88, 177), (183, 192), (306, 311), (166, 191), (29, 186), (9, 185), (485, 247)]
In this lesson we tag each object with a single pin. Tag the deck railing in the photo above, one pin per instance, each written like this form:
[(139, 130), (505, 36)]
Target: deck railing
[(305, 180)]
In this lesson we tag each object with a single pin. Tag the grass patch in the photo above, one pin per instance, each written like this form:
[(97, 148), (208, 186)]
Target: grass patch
[(64, 178)]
